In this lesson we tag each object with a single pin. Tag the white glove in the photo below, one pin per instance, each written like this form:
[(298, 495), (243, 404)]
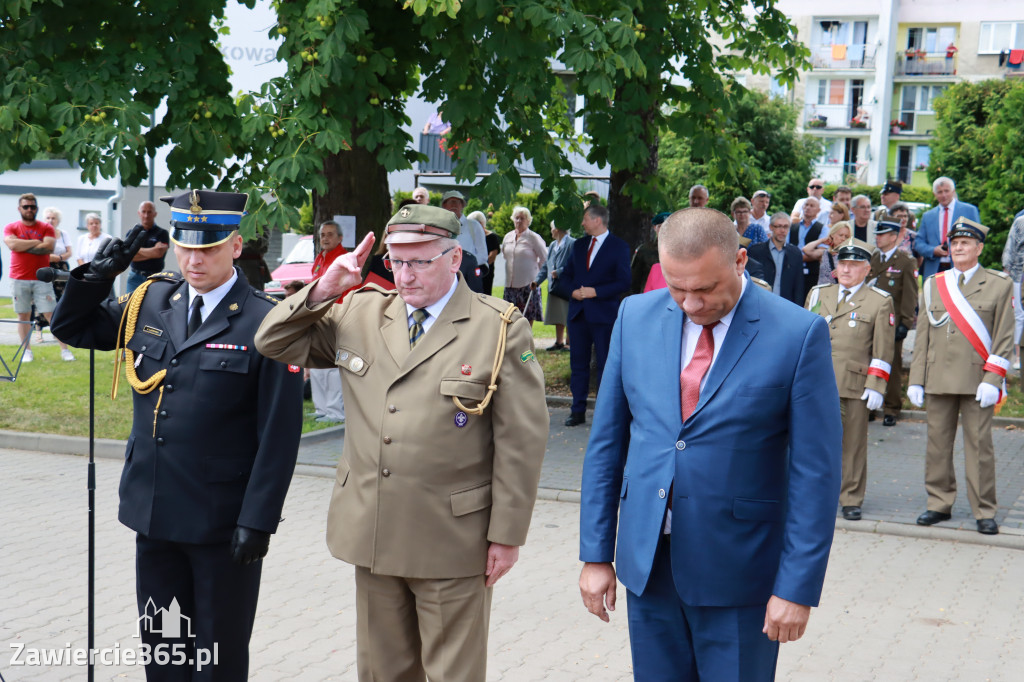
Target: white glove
[(916, 395), (873, 397), (987, 395)]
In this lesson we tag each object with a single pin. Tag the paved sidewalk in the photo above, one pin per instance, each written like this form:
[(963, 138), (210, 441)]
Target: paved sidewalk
[(893, 608)]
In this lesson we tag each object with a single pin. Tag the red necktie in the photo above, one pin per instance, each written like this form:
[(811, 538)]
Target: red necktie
[(945, 223), (593, 243), (689, 380)]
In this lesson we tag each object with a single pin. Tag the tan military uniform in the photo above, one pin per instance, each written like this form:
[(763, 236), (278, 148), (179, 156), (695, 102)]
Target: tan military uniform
[(896, 276), (950, 370), (862, 333), (423, 487)]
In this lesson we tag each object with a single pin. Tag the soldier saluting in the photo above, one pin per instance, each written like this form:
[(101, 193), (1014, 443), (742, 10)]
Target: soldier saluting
[(215, 432), (964, 340), (894, 271), (861, 324)]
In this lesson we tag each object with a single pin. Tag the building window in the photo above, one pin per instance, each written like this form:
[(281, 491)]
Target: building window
[(931, 39), (777, 90), (997, 36), (922, 155), (831, 92), (917, 99)]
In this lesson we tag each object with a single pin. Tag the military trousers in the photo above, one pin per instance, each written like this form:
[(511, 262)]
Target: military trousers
[(412, 629), (894, 387), (979, 454), (854, 413)]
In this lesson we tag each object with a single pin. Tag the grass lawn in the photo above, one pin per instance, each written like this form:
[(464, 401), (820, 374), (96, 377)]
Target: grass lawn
[(7, 309), (52, 396)]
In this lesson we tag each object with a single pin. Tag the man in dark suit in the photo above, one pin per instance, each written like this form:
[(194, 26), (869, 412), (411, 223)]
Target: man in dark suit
[(932, 237), (782, 262), (214, 437), (807, 229), (719, 471), (599, 271)]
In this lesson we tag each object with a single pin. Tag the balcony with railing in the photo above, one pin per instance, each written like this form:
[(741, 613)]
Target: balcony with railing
[(921, 63), (439, 156), (837, 117), (843, 57), (835, 171)]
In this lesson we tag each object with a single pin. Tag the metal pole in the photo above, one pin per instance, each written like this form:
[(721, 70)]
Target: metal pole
[(92, 509)]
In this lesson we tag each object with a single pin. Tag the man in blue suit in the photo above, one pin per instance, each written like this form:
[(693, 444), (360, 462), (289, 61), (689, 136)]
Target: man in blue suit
[(932, 243), (723, 477), (599, 271)]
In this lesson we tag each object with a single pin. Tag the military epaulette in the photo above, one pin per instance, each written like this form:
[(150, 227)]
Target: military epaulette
[(168, 276), (498, 304), (820, 286), (883, 293), (371, 287), (997, 273), (265, 296), (761, 283)]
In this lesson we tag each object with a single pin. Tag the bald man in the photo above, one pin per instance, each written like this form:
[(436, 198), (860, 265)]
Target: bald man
[(150, 258)]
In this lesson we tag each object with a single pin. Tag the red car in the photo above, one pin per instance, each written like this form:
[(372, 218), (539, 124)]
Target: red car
[(297, 265)]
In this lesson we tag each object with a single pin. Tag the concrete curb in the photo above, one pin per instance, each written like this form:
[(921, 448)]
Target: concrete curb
[(1008, 538)]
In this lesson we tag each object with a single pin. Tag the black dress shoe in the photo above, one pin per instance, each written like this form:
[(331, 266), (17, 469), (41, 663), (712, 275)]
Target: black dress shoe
[(988, 527), (871, 416), (930, 518), (576, 418), (851, 513), (889, 420)]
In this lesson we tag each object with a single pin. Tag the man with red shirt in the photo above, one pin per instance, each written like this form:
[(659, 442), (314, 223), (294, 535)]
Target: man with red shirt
[(326, 383), (31, 243)]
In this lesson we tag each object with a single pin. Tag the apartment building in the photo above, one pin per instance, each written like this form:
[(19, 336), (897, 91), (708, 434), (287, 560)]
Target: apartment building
[(877, 68)]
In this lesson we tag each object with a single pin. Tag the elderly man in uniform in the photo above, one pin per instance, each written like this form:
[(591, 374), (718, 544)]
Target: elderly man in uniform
[(961, 354), (860, 321), (215, 432), (894, 271), (446, 434)]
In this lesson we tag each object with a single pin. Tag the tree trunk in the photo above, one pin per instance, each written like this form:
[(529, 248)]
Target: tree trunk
[(357, 185), (626, 218)]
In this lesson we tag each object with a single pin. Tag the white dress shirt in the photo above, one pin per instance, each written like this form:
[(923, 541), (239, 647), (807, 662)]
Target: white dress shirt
[(211, 298)]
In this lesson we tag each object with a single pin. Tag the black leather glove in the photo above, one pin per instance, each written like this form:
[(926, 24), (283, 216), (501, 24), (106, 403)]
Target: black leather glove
[(249, 546), (901, 332), (115, 256)]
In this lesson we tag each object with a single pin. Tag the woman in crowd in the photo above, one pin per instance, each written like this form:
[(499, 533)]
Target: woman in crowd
[(824, 250), (557, 310), (493, 246), (62, 248), (90, 243), (524, 253), (839, 213)]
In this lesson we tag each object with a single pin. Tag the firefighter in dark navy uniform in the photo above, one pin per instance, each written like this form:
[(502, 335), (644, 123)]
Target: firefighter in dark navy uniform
[(215, 431)]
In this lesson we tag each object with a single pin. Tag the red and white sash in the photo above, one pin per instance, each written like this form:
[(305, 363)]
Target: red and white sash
[(970, 325)]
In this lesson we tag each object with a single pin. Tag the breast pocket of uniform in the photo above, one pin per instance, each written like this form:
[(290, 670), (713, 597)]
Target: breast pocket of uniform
[(352, 362), (146, 347), (470, 393), (235, 362)]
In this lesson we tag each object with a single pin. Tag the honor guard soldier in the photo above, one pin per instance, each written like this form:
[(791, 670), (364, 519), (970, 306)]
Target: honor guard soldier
[(961, 354), (861, 325), (447, 428), (894, 271), (215, 432)]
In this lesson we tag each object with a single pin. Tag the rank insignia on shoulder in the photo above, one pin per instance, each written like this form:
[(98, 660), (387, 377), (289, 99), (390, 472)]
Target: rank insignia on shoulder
[(527, 356), (123, 297)]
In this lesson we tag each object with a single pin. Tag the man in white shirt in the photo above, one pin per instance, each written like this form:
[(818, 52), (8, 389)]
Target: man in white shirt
[(815, 189), (759, 209)]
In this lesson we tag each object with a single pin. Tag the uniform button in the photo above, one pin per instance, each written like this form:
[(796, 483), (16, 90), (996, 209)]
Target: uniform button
[(680, 445), (387, 440), (169, 388), (392, 409), (159, 441), (386, 473), (223, 364), (163, 413), (661, 493), (174, 362)]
